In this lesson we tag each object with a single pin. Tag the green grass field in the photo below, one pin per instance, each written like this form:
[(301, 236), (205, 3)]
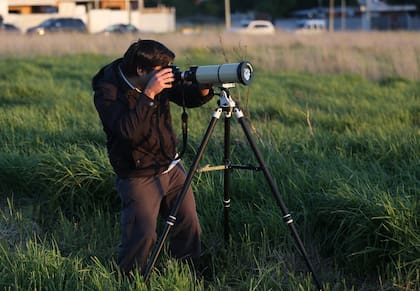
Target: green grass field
[(344, 150)]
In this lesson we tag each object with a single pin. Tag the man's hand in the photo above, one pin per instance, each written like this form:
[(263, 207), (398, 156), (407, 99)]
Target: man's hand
[(159, 80), (205, 89)]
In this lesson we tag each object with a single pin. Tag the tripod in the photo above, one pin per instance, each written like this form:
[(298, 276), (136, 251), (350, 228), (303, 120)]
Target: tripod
[(229, 108)]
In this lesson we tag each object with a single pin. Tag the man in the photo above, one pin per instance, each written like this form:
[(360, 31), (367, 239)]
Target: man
[(132, 96)]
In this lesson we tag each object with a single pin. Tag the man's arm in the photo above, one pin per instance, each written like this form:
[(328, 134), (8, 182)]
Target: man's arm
[(117, 118), (191, 95)]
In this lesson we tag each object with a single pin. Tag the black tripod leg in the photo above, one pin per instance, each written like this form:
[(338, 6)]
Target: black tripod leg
[(172, 216), (227, 173), (287, 217)]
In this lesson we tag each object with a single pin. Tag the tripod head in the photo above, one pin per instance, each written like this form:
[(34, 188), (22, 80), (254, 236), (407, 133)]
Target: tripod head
[(225, 101)]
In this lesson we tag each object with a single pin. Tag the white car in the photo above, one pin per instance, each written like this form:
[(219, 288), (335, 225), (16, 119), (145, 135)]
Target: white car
[(255, 27)]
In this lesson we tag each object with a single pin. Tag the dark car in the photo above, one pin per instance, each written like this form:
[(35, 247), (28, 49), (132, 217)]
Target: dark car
[(7, 27), (52, 25), (120, 29)]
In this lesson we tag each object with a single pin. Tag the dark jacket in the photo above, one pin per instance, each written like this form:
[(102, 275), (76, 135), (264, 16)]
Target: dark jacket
[(140, 137)]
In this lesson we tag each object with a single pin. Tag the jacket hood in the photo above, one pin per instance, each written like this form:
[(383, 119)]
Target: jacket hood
[(108, 74)]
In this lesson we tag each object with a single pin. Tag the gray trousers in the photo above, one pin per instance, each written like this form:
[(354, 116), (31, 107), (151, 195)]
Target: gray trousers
[(143, 199)]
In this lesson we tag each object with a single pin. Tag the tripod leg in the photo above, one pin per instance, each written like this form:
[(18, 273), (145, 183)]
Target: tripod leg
[(227, 175), (287, 217), (172, 216)]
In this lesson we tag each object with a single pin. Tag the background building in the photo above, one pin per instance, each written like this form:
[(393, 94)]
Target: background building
[(97, 14)]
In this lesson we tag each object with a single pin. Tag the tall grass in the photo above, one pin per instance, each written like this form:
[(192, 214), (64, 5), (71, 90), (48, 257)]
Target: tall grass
[(343, 150), (375, 55)]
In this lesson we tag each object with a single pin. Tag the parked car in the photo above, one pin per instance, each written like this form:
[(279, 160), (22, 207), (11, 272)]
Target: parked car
[(255, 27), (52, 25), (120, 28), (310, 25), (8, 27)]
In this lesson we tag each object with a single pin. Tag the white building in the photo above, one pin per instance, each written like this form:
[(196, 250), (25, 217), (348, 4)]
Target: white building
[(97, 14)]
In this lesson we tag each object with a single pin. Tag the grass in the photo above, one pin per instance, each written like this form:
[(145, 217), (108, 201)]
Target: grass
[(376, 55), (342, 148)]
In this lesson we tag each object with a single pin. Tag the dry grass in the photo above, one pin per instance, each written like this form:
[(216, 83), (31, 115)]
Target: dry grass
[(374, 55)]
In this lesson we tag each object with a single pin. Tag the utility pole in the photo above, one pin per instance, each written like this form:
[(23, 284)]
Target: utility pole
[(331, 22), (227, 14), (368, 15), (343, 15)]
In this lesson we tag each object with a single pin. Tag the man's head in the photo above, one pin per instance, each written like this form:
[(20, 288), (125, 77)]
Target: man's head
[(146, 55)]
